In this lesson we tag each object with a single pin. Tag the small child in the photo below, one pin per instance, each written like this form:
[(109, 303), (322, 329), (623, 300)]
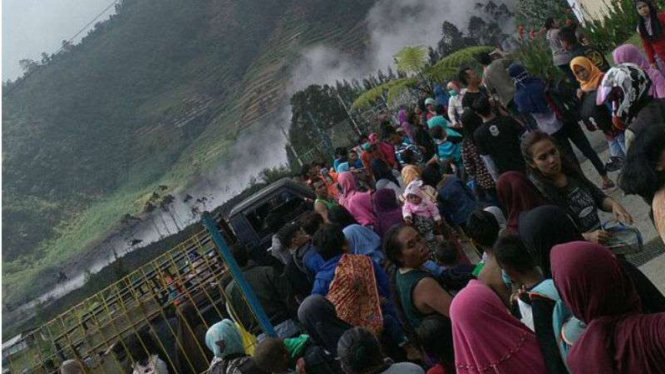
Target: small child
[(272, 356), (449, 147), (421, 212)]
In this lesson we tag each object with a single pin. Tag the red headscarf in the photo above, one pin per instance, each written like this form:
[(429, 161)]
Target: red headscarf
[(618, 339), (517, 194)]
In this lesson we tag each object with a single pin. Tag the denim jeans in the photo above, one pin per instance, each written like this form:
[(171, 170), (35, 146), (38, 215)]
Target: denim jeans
[(618, 146)]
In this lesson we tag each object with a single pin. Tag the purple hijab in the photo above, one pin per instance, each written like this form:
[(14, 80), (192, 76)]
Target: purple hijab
[(630, 53), (404, 123), (388, 212)]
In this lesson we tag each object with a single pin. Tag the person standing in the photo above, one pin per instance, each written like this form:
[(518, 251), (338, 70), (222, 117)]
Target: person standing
[(560, 56), (570, 43), (496, 79), (650, 29), (455, 108), (498, 140)]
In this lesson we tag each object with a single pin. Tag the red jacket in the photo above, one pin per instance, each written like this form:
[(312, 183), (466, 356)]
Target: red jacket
[(656, 47)]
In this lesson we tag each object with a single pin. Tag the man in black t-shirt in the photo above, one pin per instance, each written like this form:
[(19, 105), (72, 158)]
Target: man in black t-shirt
[(471, 80), (570, 43), (498, 140)]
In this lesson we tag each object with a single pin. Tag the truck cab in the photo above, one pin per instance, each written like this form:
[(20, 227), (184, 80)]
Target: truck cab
[(256, 219)]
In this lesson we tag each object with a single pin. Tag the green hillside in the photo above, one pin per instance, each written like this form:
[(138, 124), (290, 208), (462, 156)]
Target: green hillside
[(154, 96)]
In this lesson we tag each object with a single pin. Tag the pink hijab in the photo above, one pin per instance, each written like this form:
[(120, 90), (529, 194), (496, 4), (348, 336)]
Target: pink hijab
[(359, 204), (618, 338), (488, 339), (630, 53)]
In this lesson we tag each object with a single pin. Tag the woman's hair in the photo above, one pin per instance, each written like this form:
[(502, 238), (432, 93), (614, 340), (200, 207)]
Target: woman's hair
[(482, 106), (512, 255), (639, 174), (432, 334), (341, 216), (341, 151), (549, 23), (359, 351), (408, 157), (446, 254), (483, 58), (391, 245), (470, 123), (329, 241), (362, 139), (462, 76), (656, 27), (567, 34), (483, 228), (567, 166), (311, 223)]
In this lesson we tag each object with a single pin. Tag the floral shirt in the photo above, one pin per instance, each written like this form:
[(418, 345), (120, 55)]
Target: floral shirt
[(475, 166)]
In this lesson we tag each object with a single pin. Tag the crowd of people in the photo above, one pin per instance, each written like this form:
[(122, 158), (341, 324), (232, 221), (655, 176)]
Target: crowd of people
[(382, 276)]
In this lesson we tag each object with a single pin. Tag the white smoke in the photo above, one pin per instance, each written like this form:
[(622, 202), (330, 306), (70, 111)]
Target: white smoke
[(393, 25)]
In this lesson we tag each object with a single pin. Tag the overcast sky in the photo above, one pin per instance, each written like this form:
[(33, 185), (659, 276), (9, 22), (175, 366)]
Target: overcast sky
[(30, 27)]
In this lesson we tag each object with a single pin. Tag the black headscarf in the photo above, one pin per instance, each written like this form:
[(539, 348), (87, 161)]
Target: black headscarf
[(656, 27), (381, 171), (541, 229)]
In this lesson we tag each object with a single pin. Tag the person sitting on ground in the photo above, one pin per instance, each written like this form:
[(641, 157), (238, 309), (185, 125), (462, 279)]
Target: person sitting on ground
[(225, 341), (356, 202), (570, 43), (341, 156), (304, 261), (349, 290), (483, 229), (372, 152), (454, 199), (618, 337), (432, 110), (566, 186), (496, 79), (407, 127), (271, 356), (540, 306), (429, 335), (626, 89), (387, 149), (487, 338), (517, 194), (387, 210), (498, 140), (324, 202), (360, 353), (403, 144), (455, 108), (419, 292), (361, 240), (629, 53), (385, 178), (271, 289)]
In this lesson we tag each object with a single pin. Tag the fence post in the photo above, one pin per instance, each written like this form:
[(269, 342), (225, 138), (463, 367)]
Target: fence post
[(237, 274)]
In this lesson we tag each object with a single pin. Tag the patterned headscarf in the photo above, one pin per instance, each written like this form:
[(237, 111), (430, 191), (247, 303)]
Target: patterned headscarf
[(624, 85)]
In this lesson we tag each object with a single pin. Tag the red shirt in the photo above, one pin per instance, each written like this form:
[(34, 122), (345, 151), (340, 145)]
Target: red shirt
[(655, 47), (437, 369)]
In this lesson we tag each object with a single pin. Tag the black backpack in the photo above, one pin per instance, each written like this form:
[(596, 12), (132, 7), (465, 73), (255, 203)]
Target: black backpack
[(563, 96)]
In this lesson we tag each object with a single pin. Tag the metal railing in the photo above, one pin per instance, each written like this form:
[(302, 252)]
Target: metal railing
[(164, 307)]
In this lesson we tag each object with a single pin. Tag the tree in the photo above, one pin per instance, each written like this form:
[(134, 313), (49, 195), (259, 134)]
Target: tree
[(28, 65)]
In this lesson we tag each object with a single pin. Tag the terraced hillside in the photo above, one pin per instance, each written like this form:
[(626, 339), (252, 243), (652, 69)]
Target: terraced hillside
[(153, 97)]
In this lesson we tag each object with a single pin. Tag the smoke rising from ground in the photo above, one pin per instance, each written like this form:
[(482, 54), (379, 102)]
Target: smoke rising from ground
[(392, 25)]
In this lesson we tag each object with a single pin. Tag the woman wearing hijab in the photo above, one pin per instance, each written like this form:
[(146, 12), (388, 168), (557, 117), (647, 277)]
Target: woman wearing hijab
[(650, 28), (517, 194), (404, 123), (590, 78), (362, 240), (388, 212), (618, 338), (384, 177), (488, 339), (358, 203), (629, 53), (224, 340), (544, 227), (410, 173)]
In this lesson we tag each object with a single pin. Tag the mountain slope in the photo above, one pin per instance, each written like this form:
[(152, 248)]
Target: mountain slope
[(154, 96)]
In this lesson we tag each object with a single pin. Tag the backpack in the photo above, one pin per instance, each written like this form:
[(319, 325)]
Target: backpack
[(319, 361), (562, 97)]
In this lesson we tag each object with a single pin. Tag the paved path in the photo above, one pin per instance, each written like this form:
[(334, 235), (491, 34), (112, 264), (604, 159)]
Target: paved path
[(635, 205)]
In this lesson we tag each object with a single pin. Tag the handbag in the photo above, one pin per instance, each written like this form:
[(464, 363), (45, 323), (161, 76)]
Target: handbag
[(625, 240)]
